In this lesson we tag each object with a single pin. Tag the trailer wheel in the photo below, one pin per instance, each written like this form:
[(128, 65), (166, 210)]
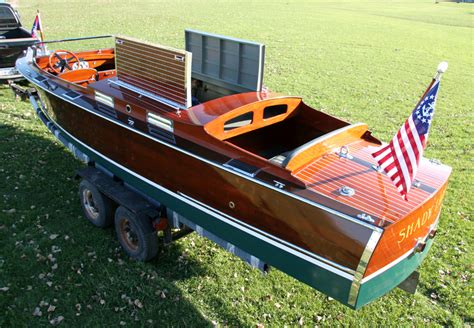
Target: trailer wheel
[(97, 208), (136, 235)]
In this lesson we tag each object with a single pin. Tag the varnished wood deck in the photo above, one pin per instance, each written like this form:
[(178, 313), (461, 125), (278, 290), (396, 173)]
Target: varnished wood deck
[(374, 192)]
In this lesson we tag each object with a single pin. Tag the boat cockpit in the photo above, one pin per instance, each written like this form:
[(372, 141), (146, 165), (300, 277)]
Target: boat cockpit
[(81, 68), (282, 130), (201, 81)]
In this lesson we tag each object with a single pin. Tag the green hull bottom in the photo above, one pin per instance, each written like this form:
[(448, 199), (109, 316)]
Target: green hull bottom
[(390, 278), (319, 276)]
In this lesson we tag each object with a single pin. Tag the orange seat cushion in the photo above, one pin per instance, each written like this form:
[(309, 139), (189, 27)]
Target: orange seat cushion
[(80, 76)]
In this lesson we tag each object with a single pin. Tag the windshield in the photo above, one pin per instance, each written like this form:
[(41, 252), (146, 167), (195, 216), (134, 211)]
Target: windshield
[(7, 18)]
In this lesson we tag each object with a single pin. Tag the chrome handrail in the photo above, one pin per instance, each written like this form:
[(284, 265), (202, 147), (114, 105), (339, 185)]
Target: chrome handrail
[(75, 39)]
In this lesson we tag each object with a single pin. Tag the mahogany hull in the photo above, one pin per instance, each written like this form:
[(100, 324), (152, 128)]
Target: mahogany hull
[(311, 228), (333, 280)]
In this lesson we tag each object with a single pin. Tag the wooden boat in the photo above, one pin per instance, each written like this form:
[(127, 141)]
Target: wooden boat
[(291, 185)]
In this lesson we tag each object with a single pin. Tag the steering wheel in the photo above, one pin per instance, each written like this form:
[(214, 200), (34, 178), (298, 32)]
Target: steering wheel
[(59, 61)]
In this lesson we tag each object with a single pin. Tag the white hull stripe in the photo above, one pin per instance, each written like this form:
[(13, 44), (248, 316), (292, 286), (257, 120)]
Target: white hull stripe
[(320, 206), (196, 204), (214, 214), (343, 274), (281, 241)]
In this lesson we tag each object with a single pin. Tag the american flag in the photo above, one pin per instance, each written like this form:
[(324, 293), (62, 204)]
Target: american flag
[(400, 158)]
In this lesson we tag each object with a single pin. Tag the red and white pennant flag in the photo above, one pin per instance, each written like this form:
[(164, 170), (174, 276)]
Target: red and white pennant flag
[(400, 158), (37, 28)]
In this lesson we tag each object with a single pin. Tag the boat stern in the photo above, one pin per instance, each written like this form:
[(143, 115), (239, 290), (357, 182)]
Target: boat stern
[(400, 250)]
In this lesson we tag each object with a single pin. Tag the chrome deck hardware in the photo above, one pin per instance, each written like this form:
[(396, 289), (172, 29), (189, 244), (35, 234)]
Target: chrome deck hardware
[(420, 246), (365, 217), (416, 184), (344, 153), (432, 232), (346, 191), (377, 168)]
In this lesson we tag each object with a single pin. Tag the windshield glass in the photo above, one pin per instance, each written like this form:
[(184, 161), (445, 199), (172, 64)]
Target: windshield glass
[(7, 17)]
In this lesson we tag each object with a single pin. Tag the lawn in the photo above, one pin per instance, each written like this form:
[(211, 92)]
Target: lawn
[(363, 61)]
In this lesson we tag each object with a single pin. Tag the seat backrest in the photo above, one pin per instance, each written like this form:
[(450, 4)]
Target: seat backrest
[(155, 71), (232, 64), (322, 145), (80, 76)]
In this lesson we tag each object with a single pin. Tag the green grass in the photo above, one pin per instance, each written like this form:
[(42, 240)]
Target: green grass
[(361, 61)]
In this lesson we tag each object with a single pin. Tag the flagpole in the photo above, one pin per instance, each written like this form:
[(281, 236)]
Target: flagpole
[(442, 67), (401, 157), (40, 24)]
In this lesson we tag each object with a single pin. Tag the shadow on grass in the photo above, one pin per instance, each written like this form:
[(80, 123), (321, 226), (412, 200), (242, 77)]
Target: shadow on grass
[(52, 255)]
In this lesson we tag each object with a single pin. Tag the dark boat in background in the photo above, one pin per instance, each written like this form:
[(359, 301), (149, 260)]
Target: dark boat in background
[(192, 131), (14, 39)]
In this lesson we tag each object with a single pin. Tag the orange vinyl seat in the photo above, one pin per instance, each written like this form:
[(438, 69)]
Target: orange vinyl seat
[(81, 76)]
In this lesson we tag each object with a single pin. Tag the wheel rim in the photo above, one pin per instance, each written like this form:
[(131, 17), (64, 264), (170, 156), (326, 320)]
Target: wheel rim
[(89, 204), (128, 234)]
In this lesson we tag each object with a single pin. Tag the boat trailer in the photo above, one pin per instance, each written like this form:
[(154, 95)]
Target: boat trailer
[(171, 223)]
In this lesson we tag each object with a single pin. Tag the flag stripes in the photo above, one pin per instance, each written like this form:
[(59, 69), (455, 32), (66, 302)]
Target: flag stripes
[(37, 27), (401, 157)]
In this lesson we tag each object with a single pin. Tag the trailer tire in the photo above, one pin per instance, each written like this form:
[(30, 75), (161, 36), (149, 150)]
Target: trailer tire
[(97, 208), (136, 235)]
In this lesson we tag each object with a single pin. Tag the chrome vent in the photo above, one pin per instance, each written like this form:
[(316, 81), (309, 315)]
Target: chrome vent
[(104, 99), (72, 95), (160, 122), (162, 134), (106, 110)]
